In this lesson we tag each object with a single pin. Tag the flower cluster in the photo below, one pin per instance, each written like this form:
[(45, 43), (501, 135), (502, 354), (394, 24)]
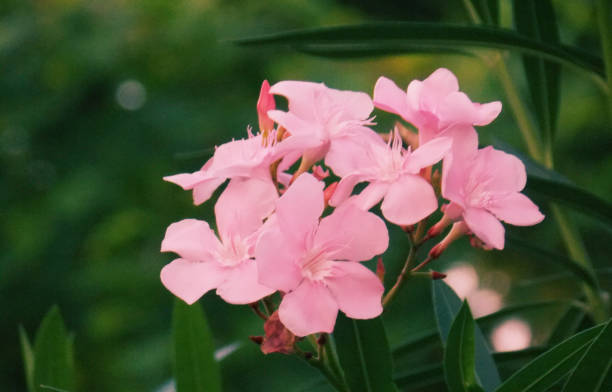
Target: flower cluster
[(281, 228)]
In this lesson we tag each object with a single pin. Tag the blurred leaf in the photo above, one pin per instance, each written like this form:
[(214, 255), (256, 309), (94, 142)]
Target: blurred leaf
[(548, 368), (459, 362), (195, 368), (572, 196), (574, 267), (433, 35), (28, 358), (53, 366), (446, 306), (364, 354), (488, 10), (537, 20), (358, 50), (594, 365), (567, 326)]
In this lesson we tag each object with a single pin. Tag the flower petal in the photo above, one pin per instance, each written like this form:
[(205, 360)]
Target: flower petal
[(189, 280), (243, 205), (485, 226), (428, 154), (409, 200), (191, 239), (352, 234), (516, 209), (241, 285), (390, 98), (437, 86), (485, 113), (357, 290), (204, 190), (309, 309), (344, 189), (502, 172), (370, 195), (277, 261)]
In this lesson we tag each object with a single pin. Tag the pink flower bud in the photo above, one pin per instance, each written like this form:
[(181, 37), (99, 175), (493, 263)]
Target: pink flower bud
[(329, 192), (319, 173), (265, 103)]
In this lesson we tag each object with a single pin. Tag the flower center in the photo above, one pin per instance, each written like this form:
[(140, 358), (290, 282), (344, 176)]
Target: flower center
[(233, 252), (316, 265)]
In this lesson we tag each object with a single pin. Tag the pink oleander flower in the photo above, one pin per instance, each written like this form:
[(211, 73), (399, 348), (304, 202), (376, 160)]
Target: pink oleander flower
[(225, 263), (393, 175), (316, 262), (244, 158), (319, 116), (484, 188), (434, 104)]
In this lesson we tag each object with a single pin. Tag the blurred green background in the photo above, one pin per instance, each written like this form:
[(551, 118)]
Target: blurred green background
[(100, 99)]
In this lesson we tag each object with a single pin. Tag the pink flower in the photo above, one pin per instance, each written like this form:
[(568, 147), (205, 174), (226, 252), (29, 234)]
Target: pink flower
[(226, 264), (434, 104), (484, 188), (319, 116), (393, 174), (316, 263)]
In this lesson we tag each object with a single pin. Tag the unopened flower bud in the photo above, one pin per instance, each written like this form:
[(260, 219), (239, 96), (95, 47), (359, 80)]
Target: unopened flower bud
[(258, 340), (380, 269), (265, 103), (458, 229), (329, 192), (319, 173), (435, 275)]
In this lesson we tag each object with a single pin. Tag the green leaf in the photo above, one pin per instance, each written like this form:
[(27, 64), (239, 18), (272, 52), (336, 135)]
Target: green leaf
[(53, 360), (567, 326), (572, 266), (488, 10), (572, 196), (401, 36), (364, 354), (594, 365), (548, 368), (28, 358), (459, 361), (537, 20), (195, 368), (446, 306)]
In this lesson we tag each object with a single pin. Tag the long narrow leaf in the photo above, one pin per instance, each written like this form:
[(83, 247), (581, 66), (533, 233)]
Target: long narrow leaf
[(567, 326), (429, 35), (28, 358), (537, 20), (594, 366), (53, 366), (195, 368), (459, 361), (446, 306), (548, 368), (364, 354)]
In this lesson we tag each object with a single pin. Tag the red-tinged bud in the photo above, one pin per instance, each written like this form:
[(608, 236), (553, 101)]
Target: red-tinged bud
[(458, 229), (258, 340), (407, 228), (265, 103), (439, 226), (477, 243), (319, 173), (380, 269), (435, 275), (277, 339), (329, 192), (322, 340)]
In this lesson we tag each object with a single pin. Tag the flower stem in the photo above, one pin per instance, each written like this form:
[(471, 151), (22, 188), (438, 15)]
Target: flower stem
[(401, 278), (605, 32)]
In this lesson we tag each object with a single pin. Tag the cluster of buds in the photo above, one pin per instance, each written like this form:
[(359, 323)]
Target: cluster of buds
[(286, 226)]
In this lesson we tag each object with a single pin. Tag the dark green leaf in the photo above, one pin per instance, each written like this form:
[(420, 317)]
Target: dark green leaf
[(360, 50), (567, 326), (53, 365), (364, 354), (488, 10), (572, 266), (28, 358), (459, 362), (446, 306), (537, 20), (195, 368), (547, 369), (403, 35), (594, 365)]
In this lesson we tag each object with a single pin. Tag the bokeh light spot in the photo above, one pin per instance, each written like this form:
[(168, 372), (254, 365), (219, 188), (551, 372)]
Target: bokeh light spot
[(131, 95)]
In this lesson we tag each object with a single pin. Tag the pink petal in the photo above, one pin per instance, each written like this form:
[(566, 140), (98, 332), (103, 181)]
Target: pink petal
[(308, 309), (390, 98), (409, 200), (485, 226), (301, 96), (299, 209), (189, 180), (357, 290), (485, 113), (354, 105), (502, 172), (297, 126), (355, 153), (277, 261), (352, 234), (241, 285), (204, 190), (456, 165), (243, 205), (428, 154), (370, 195), (516, 209), (456, 108), (437, 86), (191, 239), (189, 280), (344, 189)]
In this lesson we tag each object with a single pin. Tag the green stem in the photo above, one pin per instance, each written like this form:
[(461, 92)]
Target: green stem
[(331, 358), (329, 374), (605, 32), (401, 278)]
